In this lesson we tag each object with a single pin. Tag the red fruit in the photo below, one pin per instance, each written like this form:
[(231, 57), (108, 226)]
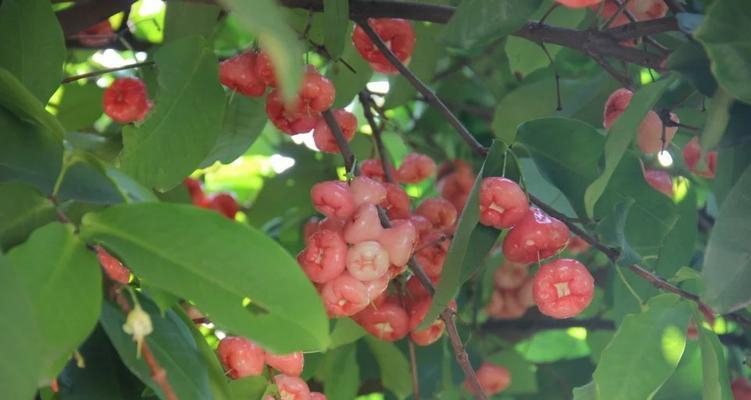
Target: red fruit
[(415, 168), (502, 203), (292, 387), (344, 296), (493, 379), (288, 364), (577, 245), (641, 9), (367, 261), (376, 287), (240, 357), (195, 188), (415, 291), (317, 396), (323, 259), (398, 36), (316, 95), (323, 137), (54, 386), (417, 312), (367, 191), (373, 169), (396, 203), (691, 155), (563, 288), (741, 389), (615, 105), (333, 199), (389, 321), (537, 236), (310, 227), (456, 184), (97, 35), (399, 241), (422, 224), (225, 204), (510, 275), (126, 100), (660, 180), (439, 211), (432, 253), (264, 69), (114, 269), (363, 225), (578, 3), (238, 73), (506, 304), (649, 136)]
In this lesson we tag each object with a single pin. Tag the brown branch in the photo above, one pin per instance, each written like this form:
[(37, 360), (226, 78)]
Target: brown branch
[(367, 102), (82, 16), (413, 370), (341, 141), (105, 71)]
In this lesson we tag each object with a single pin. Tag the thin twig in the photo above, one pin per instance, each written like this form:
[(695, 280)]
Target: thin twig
[(105, 71), (559, 106), (413, 369), (621, 8), (341, 141), (367, 102)]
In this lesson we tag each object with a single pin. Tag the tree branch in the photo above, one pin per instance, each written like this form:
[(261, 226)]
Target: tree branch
[(341, 141), (104, 71), (82, 16), (367, 102)]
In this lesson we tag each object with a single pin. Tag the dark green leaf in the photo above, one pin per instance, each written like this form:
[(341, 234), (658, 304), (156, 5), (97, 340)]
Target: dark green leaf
[(80, 106), (718, 116), (201, 256), (345, 331), (678, 245), (644, 351), (612, 230), (586, 392), (724, 24), (691, 61), (22, 209), (524, 379), (346, 82), (185, 121), (341, 373), (86, 180), (172, 345), (476, 22), (727, 265), (252, 387), (186, 18), (33, 48), (422, 63), (715, 367), (16, 98), (552, 345), (395, 373), (336, 26), (243, 123)]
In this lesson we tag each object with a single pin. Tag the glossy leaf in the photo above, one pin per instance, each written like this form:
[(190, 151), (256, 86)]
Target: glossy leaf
[(22, 209), (724, 23), (185, 120), (186, 18), (33, 47), (199, 255), (718, 116), (86, 180), (341, 373), (347, 82), (653, 338), (336, 26), (476, 22), (19, 101), (395, 373), (422, 63), (243, 123), (345, 331), (727, 266), (80, 106), (715, 367), (252, 387)]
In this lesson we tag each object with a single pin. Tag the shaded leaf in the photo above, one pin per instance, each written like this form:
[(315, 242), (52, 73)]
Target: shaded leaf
[(395, 373), (345, 331), (341, 373), (336, 26), (243, 123), (422, 63), (715, 367), (22, 209), (476, 22), (80, 106), (347, 82), (186, 18)]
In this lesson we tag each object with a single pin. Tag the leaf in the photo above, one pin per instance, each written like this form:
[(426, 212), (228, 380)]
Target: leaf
[(715, 367), (86, 180), (185, 121), (395, 372), (724, 23), (243, 124), (718, 116), (171, 344), (586, 392), (620, 136), (186, 18), (345, 331), (22, 209), (612, 231), (476, 22), (524, 378), (677, 247), (727, 263), (692, 62), (33, 47), (252, 387), (644, 351), (422, 63), (264, 19), (80, 106), (341, 373), (62, 282), (346, 82), (198, 255), (17, 99), (336, 26)]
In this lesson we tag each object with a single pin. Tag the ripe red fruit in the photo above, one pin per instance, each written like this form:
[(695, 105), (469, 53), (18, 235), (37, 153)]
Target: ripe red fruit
[(537, 236), (323, 137), (194, 188), (398, 36), (660, 180), (373, 169), (439, 211), (510, 275), (323, 259), (317, 396), (291, 387), (417, 312), (615, 105), (288, 364), (396, 203), (239, 73), (363, 225), (577, 245), (240, 357), (431, 253), (421, 224), (264, 69), (642, 10), (333, 199), (114, 269), (563, 288), (389, 321), (578, 3), (493, 379), (741, 389), (97, 35), (225, 204), (399, 241), (502, 203), (377, 287), (649, 136), (367, 261), (316, 95), (415, 168), (506, 304), (691, 155), (344, 296), (367, 191), (126, 100), (456, 184)]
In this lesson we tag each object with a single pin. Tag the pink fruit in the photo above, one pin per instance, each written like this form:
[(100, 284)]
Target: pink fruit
[(264, 69), (615, 105), (367, 191), (396, 203), (537, 236), (510, 275), (364, 225), (333, 199), (389, 321), (317, 396), (422, 225), (649, 137), (417, 312), (399, 241), (506, 304), (376, 287), (324, 258), (578, 245), (660, 180), (292, 387), (456, 184), (316, 95), (431, 253), (373, 169), (415, 168), (578, 3), (439, 211), (741, 389), (238, 73), (563, 288), (240, 357), (692, 154), (367, 261), (126, 100), (323, 137), (288, 364), (398, 36), (344, 296), (112, 267), (502, 203), (493, 379)]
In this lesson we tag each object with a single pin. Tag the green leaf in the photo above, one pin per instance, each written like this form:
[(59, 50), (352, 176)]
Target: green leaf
[(586, 392), (80, 106), (678, 246), (715, 367), (243, 123), (476, 22), (199, 255), (552, 345), (185, 121), (395, 372), (612, 230), (265, 19), (341, 374), (620, 136), (17, 99), (22, 209), (523, 373), (727, 266), (171, 344), (346, 82), (62, 282), (724, 24), (336, 26), (186, 18), (252, 387), (86, 180), (345, 331), (422, 63), (644, 351), (33, 47), (718, 116)]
